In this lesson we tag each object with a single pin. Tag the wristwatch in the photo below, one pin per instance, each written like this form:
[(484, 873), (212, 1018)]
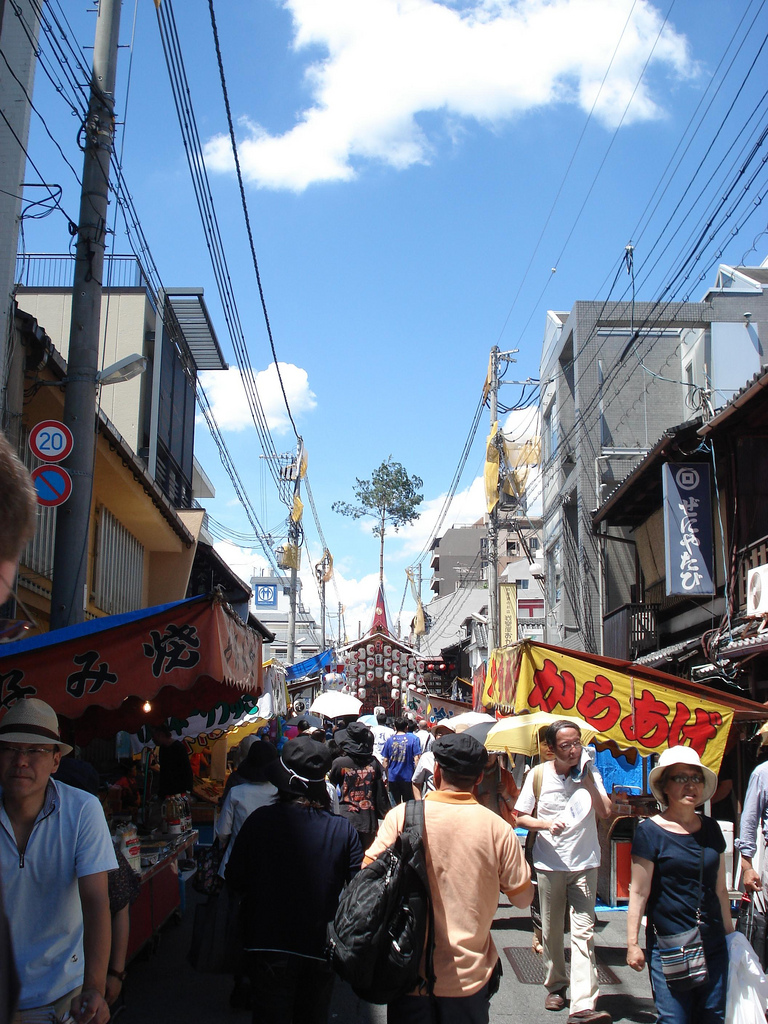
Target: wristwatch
[(120, 975)]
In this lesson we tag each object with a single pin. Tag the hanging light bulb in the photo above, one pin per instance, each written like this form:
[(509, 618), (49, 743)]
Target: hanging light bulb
[(146, 707)]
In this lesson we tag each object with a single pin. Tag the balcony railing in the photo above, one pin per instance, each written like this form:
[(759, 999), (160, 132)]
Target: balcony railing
[(630, 631), (43, 271)]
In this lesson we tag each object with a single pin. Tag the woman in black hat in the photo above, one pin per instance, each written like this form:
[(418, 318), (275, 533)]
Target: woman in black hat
[(358, 775), (291, 861)]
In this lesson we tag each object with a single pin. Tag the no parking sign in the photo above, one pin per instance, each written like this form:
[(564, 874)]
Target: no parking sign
[(52, 483)]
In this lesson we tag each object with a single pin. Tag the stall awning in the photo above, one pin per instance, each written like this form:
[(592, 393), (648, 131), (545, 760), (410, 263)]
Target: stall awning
[(633, 707), (182, 657), (309, 667)]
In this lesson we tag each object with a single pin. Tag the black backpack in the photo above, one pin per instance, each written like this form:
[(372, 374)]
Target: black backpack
[(384, 920)]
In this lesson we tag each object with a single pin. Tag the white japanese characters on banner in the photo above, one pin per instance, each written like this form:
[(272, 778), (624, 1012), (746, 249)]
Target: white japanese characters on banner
[(688, 547)]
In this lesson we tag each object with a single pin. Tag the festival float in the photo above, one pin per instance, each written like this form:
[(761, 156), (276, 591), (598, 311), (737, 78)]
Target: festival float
[(382, 671)]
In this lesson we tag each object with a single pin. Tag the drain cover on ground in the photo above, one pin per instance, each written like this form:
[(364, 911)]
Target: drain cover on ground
[(529, 967)]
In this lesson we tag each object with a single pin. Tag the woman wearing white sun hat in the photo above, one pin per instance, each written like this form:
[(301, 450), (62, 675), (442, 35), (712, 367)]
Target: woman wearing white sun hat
[(678, 873)]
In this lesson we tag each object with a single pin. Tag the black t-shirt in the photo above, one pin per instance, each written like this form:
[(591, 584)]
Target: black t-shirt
[(676, 863), (360, 791), (292, 862), (175, 770)]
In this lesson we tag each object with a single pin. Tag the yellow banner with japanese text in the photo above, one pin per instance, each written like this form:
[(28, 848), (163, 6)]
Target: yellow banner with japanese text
[(628, 710)]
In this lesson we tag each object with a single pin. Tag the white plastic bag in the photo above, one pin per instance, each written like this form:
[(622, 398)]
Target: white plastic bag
[(747, 994)]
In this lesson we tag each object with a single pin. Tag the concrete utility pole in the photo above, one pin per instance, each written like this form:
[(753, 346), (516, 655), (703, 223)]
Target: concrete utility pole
[(321, 571), (294, 540), (493, 521), (70, 564)]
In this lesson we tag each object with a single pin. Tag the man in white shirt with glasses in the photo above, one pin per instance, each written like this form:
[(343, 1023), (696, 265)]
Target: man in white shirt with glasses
[(566, 862)]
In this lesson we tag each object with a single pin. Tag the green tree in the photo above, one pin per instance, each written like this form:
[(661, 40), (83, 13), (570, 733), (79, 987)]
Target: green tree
[(390, 497)]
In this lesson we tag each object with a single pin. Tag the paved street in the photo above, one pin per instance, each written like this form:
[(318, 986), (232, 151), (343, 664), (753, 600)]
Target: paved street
[(163, 987)]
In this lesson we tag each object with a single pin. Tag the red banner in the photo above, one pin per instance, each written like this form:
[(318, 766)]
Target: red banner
[(183, 658)]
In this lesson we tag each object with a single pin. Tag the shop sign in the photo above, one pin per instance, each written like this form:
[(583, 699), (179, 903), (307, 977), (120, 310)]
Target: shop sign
[(688, 548), (633, 712)]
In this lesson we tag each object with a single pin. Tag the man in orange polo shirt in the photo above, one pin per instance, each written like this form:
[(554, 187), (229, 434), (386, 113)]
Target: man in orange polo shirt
[(472, 854)]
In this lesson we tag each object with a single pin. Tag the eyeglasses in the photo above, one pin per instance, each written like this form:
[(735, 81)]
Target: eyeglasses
[(26, 753), (565, 747), (15, 629), (683, 780)]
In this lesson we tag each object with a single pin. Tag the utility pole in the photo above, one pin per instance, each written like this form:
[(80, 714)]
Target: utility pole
[(418, 638), (493, 517), (70, 563), (294, 541), (493, 520), (321, 571)]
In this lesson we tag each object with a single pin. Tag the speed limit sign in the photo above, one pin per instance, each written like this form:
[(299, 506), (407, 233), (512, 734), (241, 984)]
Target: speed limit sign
[(51, 441)]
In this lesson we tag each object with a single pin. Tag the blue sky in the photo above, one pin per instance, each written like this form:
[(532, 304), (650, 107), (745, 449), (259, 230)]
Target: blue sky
[(402, 160)]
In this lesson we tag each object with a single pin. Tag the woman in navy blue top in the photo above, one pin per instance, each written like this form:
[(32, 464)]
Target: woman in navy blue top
[(669, 852)]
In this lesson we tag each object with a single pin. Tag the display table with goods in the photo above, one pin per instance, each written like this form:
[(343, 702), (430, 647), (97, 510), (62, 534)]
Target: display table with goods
[(160, 895)]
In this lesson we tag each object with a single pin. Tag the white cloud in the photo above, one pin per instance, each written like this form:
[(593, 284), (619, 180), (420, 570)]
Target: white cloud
[(386, 61), (245, 562), (227, 396)]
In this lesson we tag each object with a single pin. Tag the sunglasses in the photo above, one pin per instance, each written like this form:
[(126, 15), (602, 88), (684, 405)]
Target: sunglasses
[(683, 780), (15, 629)]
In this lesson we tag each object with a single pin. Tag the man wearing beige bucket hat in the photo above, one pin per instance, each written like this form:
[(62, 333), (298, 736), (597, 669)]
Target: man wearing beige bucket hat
[(55, 852)]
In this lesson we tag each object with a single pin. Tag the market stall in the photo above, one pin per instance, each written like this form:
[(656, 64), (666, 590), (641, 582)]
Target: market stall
[(123, 673), (160, 894), (633, 709)]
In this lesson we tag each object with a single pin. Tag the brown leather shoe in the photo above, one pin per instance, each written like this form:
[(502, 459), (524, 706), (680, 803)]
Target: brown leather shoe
[(590, 1017), (554, 1001)]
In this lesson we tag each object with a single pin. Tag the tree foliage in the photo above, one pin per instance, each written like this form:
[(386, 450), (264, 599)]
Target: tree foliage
[(391, 498)]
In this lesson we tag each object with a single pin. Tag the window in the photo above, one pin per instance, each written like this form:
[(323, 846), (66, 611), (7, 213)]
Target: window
[(533, 543), (511, 548), (118, 571), (522, 584)]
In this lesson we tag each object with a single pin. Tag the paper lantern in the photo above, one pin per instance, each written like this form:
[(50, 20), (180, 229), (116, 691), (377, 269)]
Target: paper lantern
[(371, 649), (379, 659), (395, 695), (361, 693), (370, 662), (379, 673), (387, 677), (395, 654), (387, 663), (411, 677), (369, 675), (419, 667)]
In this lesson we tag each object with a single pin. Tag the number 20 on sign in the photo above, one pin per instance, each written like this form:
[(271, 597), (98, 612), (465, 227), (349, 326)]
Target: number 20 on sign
[(51, 441)]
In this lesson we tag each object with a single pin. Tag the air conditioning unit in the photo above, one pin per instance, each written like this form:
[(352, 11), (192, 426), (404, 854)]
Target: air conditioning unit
[(757, 590)]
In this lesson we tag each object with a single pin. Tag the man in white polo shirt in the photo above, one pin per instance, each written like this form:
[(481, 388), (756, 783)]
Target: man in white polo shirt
[(566, 862), (55, 852)]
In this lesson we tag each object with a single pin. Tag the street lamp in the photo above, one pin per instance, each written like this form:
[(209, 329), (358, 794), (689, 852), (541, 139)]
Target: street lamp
[(124, 369)]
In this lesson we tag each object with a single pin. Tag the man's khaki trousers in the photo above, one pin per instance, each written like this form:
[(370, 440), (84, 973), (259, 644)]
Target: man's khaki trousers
[(578, 890)]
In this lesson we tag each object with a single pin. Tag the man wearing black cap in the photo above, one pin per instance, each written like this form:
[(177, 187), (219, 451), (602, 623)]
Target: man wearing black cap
[(472, 854), (291, 860)]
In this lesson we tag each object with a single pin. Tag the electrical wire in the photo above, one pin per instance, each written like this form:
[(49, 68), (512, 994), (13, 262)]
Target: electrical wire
[(204, 198)]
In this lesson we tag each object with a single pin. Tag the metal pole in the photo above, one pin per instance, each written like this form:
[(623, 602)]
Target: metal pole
[(292, 611), (493, 523), (70, 563)]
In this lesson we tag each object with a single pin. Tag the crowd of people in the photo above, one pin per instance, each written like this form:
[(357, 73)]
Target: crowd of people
[(287, 857), (297, 824)]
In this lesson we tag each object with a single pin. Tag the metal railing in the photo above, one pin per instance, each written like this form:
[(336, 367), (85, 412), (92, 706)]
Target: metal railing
[(36, 270), (629, 631)]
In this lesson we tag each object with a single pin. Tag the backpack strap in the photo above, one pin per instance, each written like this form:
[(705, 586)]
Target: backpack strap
[(538, 779), (414, 823)]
